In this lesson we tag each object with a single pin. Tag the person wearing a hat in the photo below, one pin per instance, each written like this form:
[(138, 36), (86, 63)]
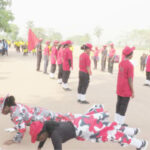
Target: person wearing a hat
[(67, 64), (90, 127), (59, 62), (23, 115), (147, 82), (39, 54), (104, 57), (96, 57), (46, 56), (125, 88), (84, 73), (111, 58), (53, 59)]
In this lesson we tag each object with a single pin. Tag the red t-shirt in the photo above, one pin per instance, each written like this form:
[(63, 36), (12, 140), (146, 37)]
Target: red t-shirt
[(84, 62), (53, 55), (67, 55), (126, 71), (112, 53), (46, 51), (148, 64), (59, 56)]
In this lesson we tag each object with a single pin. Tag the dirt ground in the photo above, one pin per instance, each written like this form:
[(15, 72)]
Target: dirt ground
[(18, 77)]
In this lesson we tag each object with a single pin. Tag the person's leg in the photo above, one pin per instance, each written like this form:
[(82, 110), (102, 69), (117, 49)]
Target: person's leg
[(66, 75), (80, 84), (53, 67), (40, 57), (38, 62), (85, 82), (121, 108), (109, 64), (45, 59), (60, 73)]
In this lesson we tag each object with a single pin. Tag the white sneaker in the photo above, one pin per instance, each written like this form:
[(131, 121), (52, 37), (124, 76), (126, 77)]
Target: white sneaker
[(143, 146)]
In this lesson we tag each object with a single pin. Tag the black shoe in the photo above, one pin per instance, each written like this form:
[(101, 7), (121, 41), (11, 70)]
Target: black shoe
[(67, 89), (143, 146), (125, 125), (79, 100), (84, 102)]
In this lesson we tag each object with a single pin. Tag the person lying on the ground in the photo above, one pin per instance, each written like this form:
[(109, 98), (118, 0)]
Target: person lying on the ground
[(60, 132)]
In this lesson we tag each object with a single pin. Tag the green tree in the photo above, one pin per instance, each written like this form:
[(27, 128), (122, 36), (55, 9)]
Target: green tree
[(6, 15), (13, 35)]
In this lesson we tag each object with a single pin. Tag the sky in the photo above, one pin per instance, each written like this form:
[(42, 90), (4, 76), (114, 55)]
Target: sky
[(76, 17)]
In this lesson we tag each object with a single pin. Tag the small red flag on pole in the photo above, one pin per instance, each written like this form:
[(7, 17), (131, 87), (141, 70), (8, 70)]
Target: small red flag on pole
[(32, 40)]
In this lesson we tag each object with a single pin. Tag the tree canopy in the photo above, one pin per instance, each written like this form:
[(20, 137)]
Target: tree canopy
[(6, 15)]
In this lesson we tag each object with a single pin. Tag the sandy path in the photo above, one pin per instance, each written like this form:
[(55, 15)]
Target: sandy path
[(19, 78)]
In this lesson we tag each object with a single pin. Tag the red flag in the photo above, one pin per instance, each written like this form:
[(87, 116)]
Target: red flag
[(32, 40)]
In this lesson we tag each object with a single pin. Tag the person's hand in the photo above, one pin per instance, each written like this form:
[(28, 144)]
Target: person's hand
[(10, 130), (9, 142), (71, 68), (132, 95)]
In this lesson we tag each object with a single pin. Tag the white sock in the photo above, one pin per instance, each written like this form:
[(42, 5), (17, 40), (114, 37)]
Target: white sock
[(117, 116), (136, 142), (122, 119), (129, 131), (83, 98), (79, 96)]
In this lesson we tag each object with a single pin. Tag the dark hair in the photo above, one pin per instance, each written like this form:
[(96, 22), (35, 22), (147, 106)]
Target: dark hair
[(10, 101), (84, 47), (129, 54)]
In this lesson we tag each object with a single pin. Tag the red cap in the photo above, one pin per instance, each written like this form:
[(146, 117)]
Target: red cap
[(89, 46), (35, 129), (40, 40), (105, 46), (68, 42), (56, 42), (47, 42), (127, 50), (111, 44)]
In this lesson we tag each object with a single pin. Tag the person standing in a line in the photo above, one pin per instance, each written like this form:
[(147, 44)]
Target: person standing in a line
[(53, 59), (111, 58), (84, 73), (104, 57), (39, 54), (143, 62), (59, 62), (96, 57), (46, 56), (125, 88), (67, 64), (147, 82)]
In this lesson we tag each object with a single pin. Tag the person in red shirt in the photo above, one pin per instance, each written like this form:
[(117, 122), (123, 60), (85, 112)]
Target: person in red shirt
[(147, 82), (111, 58), (53, 59), (84, 73), (67, 64), (96, 57), (59, 62), (124, 84), (46, 56), (103, 58)]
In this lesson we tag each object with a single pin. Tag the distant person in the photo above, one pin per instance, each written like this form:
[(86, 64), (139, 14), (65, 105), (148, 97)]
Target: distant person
[(67, 64), (53, 60), (147, 82), (84, 73), (1, 47), (46, 57), (59, 62), (39, 54), (104, 58), (143, 62), (96, 57), (111, 57), (125, 88)]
